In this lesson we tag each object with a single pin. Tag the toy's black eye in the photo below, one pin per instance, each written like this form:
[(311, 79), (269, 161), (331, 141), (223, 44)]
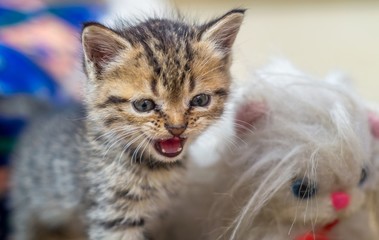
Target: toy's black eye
[(303, 189), (200, 100), (144, 105), (363, 178)]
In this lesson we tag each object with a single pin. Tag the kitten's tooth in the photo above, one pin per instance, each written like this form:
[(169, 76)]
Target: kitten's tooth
[(164, 151), (180, 149)]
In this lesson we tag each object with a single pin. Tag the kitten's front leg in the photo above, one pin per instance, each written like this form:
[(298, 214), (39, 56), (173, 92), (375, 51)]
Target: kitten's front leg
[(120, 205), (107, 224)]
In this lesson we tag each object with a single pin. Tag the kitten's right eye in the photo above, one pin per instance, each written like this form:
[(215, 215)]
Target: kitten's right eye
[(144, 105), (200, 100), (303, 189)]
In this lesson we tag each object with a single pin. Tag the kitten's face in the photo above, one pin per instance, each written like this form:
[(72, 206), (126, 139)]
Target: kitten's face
[(161, 88), (159, 110)]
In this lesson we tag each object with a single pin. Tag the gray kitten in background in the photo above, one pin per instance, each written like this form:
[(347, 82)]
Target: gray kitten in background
[(108, 169)]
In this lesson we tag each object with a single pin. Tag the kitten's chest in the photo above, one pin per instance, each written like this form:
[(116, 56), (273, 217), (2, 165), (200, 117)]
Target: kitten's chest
[(160, 182), (142, 182)]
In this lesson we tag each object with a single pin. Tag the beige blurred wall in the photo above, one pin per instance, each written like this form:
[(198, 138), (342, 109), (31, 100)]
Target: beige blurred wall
[(318, 36)]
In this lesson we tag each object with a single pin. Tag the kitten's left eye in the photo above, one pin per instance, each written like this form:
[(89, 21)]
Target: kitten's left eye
[(200, 100), (363, 176), (144, 105)]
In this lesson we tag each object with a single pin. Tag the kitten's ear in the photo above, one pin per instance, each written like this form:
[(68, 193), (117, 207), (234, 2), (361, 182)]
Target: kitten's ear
[(223, 31), (101, 45)]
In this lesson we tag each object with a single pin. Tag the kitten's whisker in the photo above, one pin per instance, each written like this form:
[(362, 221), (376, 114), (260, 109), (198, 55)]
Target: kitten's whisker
[(134, 156), (110, 144), (233, 135), (149, 139), (115, 135), (116, 141), (115, 131), (133, 140), (203, 63), (244, 123), (121, 154), (230, 140), (210, 71)]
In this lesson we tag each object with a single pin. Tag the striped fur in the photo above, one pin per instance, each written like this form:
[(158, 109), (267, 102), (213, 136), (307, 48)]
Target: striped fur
[(100, 163)]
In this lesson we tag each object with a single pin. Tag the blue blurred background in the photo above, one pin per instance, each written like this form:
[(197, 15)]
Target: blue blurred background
[(39, 53)]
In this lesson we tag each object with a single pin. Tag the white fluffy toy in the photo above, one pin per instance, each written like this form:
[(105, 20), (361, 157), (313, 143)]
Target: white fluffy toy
[(302, 166)]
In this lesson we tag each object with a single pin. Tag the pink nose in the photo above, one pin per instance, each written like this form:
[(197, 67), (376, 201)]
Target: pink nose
[(340, 200)]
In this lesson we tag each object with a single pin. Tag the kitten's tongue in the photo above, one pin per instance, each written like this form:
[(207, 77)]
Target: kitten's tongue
[(170, 147)]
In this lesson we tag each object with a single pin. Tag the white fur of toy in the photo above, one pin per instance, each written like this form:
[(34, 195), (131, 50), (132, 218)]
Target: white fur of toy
[(364, 224), (310, 129)]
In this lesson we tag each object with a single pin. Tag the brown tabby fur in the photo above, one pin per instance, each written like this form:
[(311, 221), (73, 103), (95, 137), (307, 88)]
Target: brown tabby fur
[(103, 162)]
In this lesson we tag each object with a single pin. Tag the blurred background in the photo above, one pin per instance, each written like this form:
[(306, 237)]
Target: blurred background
[(316, 35), (40, 49)]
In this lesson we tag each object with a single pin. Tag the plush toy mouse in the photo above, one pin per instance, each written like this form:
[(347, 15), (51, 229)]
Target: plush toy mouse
[(302, 167)]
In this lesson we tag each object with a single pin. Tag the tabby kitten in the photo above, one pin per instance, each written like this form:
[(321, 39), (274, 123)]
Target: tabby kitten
[(152, 88)]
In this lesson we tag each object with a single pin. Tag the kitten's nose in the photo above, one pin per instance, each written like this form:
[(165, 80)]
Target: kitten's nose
[(176, 130), (340, 200)]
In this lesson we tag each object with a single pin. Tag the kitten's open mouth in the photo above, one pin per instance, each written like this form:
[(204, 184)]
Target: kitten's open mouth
[(171, 147)]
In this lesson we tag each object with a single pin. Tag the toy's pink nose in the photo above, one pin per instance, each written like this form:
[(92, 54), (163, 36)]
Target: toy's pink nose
[(340, 200)]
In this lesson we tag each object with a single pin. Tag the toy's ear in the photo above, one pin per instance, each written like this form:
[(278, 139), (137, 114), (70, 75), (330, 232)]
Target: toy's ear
[(339, 78), (247, 115), (373, 118)]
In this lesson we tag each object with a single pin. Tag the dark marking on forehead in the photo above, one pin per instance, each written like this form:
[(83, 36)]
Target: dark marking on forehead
[(192, 83), (189, 52), (153, 86), (113, 100), (152, 59), (167, 47), (221, 92), (137, 60), (139, 56)]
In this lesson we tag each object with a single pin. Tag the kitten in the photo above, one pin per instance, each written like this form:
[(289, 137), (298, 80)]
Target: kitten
[(304, 162), (152, 88)]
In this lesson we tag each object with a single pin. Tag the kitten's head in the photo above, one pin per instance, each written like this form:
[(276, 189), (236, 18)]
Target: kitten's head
[(307, 161), (155, 85)]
